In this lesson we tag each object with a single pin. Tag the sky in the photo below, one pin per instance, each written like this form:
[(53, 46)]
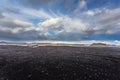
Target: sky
[(59, 20)]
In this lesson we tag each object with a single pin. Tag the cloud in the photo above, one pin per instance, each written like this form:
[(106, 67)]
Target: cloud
[(36, 3), (14, 26), (81, 4), (20, 31), (36, 13), (12, 10), (52, 24), (109, 19), (90, 13), (30, 35), (28, 13), (61, 27), (22, 23), (94, 12), (104, 21), (13, 20), (15, 29), (1, 15), (39, 23), (14, 23)]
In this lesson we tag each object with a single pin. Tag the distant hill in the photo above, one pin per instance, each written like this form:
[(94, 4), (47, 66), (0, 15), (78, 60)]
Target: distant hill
[(99, 45), (60, 44), (3, 42)]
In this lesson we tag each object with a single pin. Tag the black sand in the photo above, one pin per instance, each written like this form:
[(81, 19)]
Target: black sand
[(59, 63)]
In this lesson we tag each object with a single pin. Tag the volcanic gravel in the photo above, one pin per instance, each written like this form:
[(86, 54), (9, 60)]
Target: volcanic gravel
[(59, 63)]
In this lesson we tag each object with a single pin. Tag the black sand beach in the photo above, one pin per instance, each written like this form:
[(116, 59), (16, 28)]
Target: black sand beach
[(59, 63)]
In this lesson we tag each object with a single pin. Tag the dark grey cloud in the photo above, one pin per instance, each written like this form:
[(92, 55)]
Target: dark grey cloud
[(11, 21), (1, 15), (90, 32), (67, 4), (13, 10), (106, 22), (22, 35), (9, 24), (110, 19), (36, 3), (14, 23)]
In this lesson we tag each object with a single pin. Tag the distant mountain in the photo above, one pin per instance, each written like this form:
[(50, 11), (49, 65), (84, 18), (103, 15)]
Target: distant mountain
[(3, 42), (99, 45)]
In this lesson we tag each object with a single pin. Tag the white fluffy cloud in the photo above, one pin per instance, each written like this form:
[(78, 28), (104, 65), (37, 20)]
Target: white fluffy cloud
[(22, 23), (90, 13), (51, 23), (94, 12), (64, 23)]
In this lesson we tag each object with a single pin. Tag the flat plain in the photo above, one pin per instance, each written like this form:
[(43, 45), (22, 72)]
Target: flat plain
[(59, 63)]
